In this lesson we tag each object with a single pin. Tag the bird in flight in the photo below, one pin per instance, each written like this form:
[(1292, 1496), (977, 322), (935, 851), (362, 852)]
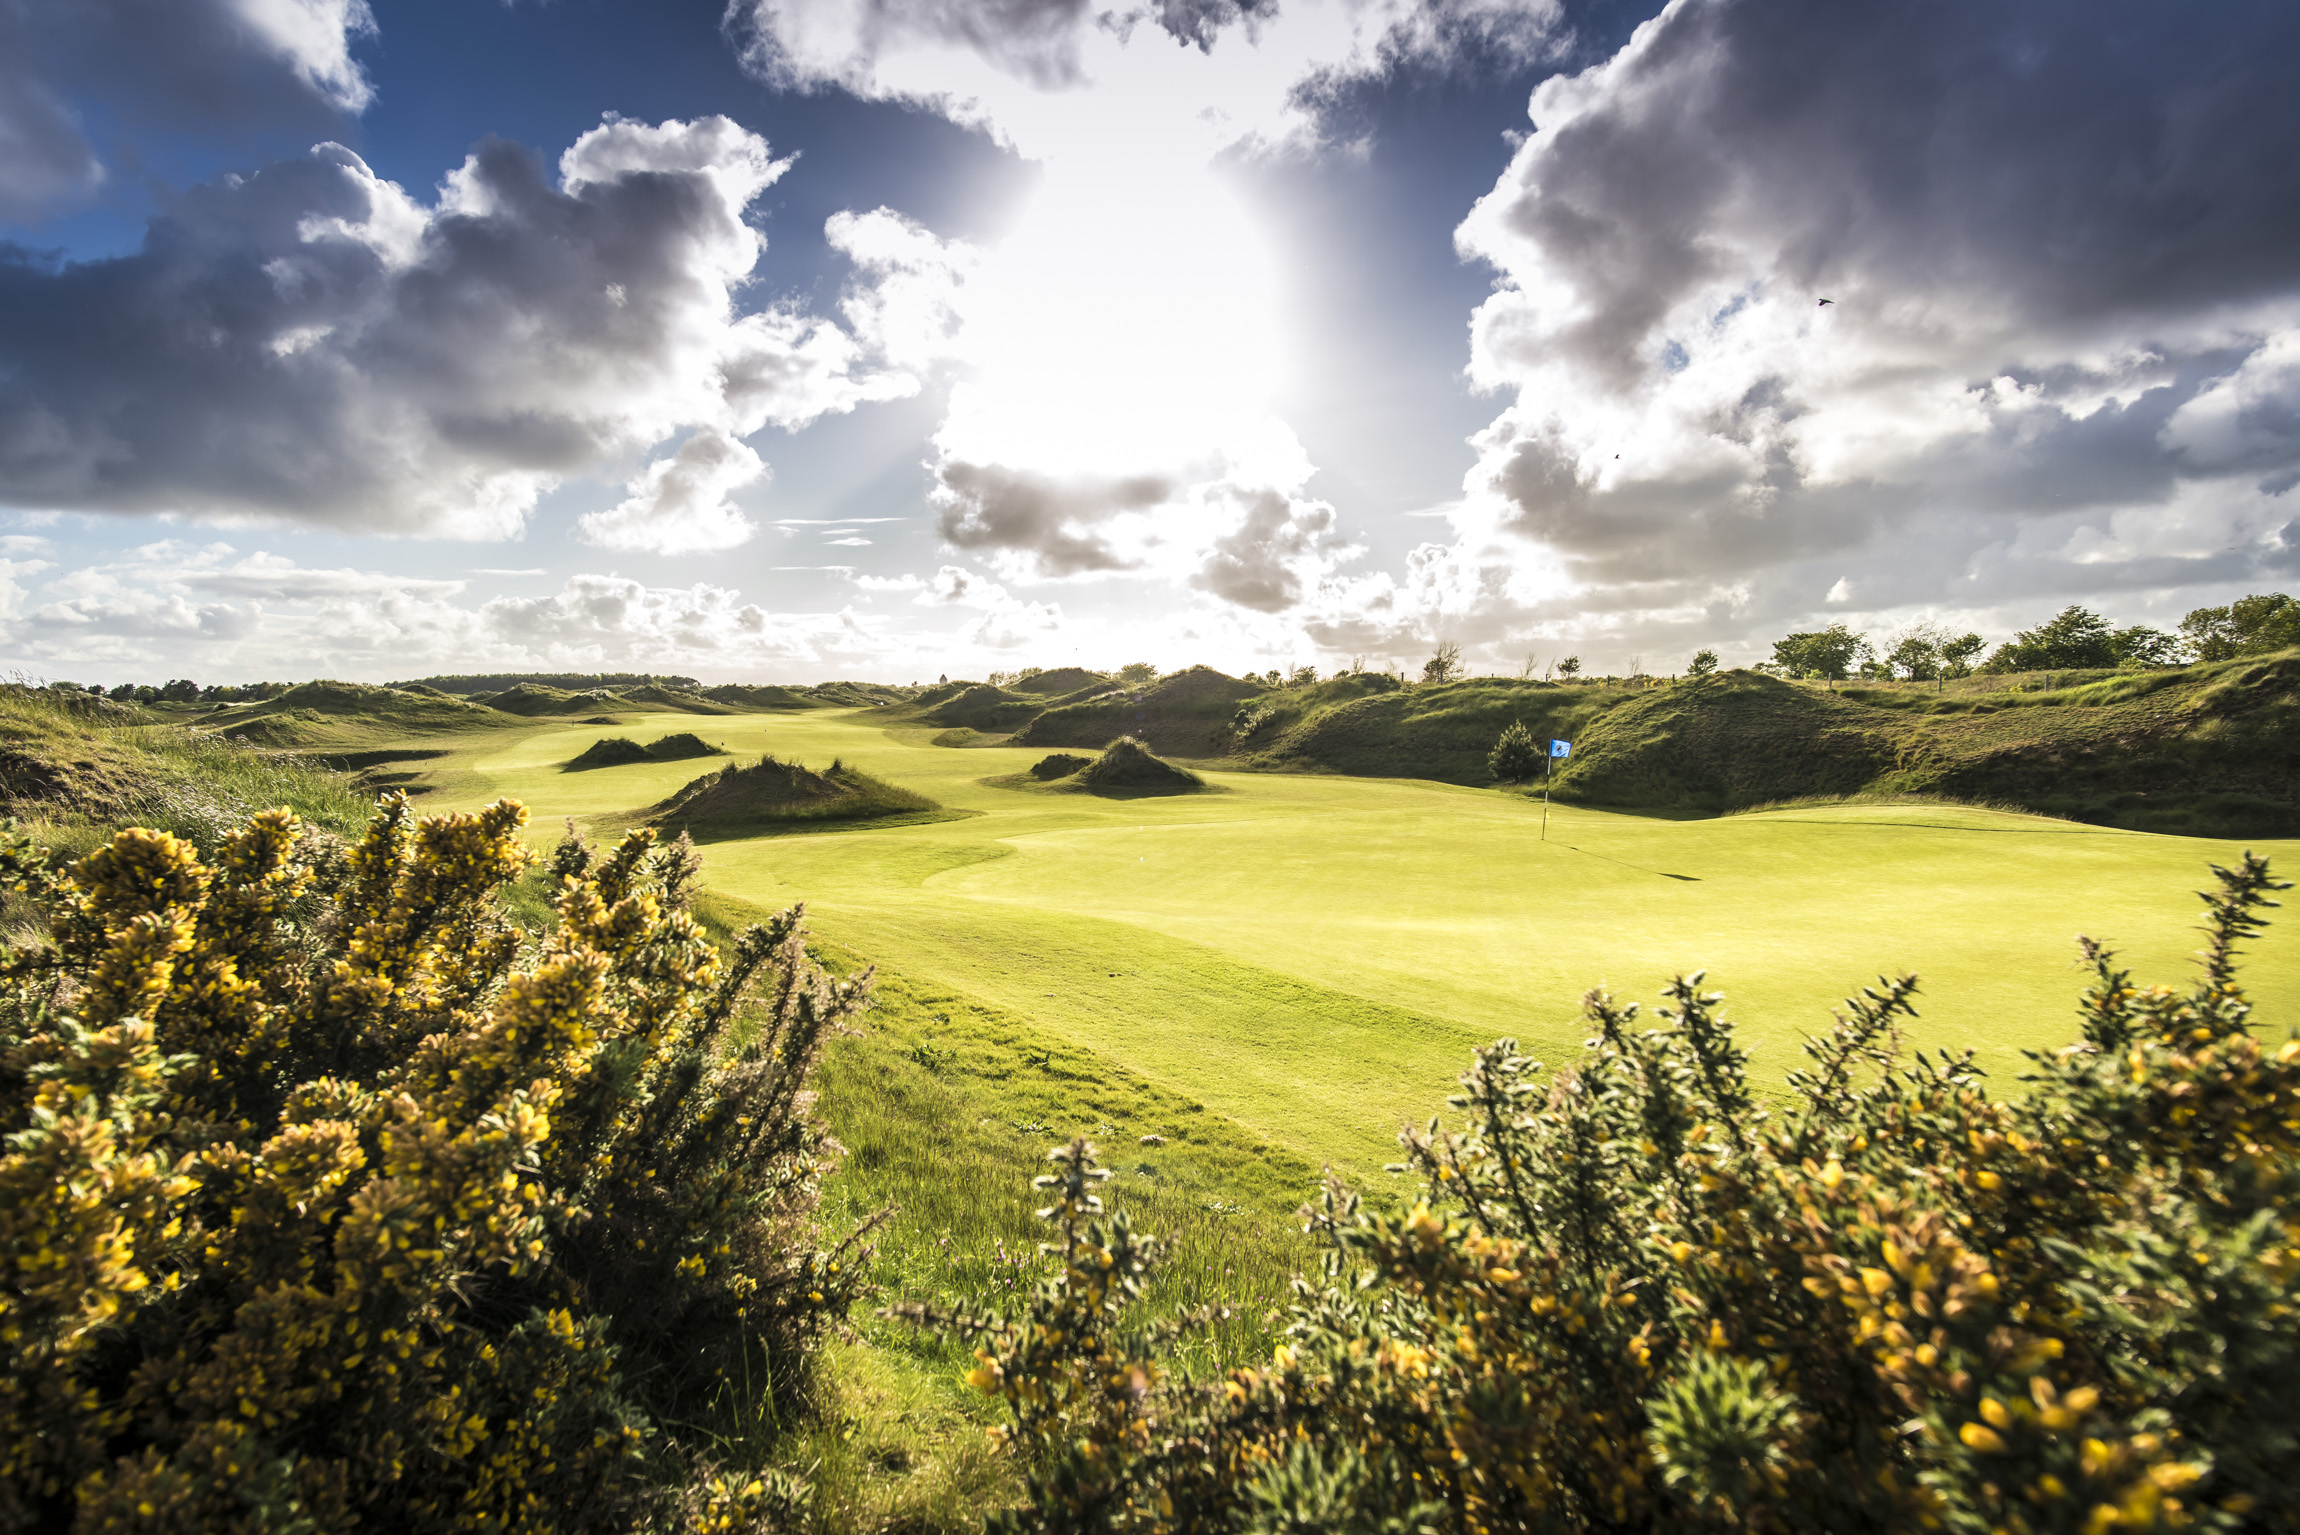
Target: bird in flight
[(1825, 303)]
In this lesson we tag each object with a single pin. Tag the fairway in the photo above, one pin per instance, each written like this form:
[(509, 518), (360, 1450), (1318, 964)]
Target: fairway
[(1314, 957)]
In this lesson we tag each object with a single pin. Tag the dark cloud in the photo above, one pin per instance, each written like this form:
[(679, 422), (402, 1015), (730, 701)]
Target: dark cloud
[(1261, 562), (2064, 338), (1048, 522), (165, 65), (2066, 161), (309, 344)]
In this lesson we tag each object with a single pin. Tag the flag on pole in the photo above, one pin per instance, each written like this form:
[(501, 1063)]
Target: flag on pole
[(1561, 748)]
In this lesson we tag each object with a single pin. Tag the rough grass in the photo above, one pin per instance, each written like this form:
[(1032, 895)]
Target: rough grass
[(772, 794), (946, 1107), (72, 777), (1126, 766), (1187, 714), (2206, 750)]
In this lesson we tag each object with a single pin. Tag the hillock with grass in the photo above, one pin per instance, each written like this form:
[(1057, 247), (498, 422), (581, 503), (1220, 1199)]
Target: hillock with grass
[(347, 705), (979, 706), (1060, 682), (2212, 749), (73, 773), (619, 751), (1128, 766), (532, 700), (744, 696), (685, 702), (1187, 714), (773, 795)]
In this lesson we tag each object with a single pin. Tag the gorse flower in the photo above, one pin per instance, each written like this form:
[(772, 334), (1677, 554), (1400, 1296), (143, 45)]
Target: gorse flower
[(1634, 1296), (393, 1217)]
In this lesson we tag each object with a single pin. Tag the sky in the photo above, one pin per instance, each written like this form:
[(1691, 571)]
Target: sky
[(788, 340)]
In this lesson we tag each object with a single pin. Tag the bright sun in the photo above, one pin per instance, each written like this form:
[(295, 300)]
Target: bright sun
[(1129, 325)]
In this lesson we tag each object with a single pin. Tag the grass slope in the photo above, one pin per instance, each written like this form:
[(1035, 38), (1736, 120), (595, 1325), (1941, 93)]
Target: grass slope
[(2211, 749), (770, 697), (72, 773), (531, 700), (1188, 714)]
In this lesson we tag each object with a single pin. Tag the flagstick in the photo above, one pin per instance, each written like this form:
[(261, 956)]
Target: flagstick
[(1546, 763)]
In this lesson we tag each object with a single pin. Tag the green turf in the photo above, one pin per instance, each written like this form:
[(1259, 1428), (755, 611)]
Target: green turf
[(1312, 958)]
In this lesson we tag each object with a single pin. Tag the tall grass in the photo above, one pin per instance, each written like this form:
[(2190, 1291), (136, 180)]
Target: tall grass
[(101, 775)]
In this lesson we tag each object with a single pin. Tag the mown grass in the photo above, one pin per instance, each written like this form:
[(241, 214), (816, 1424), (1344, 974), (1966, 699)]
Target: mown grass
[(1314, 956), (945, 1107)]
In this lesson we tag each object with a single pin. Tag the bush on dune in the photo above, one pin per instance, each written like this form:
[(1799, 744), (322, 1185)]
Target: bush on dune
[(333, 1203), (1632, 1296), (1128, 764)]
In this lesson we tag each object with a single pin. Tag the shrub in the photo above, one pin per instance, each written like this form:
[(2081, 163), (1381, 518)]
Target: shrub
[(1633, 1297), (1517, 756), (333, 1202)]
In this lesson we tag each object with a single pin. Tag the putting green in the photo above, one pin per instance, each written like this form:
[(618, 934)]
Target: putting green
[(1316, 956)]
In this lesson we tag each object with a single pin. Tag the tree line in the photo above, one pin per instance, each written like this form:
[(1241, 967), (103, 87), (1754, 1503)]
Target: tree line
[(2075, 639)]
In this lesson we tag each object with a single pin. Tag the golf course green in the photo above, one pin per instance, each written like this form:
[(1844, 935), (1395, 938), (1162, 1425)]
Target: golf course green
[(1314, 957)]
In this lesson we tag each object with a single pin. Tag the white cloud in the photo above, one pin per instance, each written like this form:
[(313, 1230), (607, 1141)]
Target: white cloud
[(312, 344), (680, 503), (1121, 348), (2034, 349)]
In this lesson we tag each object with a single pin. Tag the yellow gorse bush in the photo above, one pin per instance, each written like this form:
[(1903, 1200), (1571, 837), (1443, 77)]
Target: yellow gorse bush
[(333, 1202), (1630, 1296)]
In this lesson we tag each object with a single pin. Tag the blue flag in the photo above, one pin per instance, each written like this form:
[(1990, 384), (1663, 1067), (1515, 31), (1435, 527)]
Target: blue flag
[(1561, 748)]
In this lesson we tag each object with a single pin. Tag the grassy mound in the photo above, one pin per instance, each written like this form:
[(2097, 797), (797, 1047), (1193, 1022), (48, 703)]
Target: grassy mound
[(941, 693), (2202, 750), (979, 706), (1059, 765), (534, 701), (616, 751), (858, 695), (655, 697), (1186, 715), (78, 777), (1062, 681), (355, 703), (1126, 766), (744, 801), (744, 696)]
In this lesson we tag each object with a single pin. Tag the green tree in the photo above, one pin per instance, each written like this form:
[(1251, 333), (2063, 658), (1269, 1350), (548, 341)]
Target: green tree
[(1824, 654), (2141, 646), (2076, 638), (181, 690), (1136, 674), (1517, 756), (1703, 663), (1916, 656), (1445, 665), (1957, 654), (2248, 626), (1569, 667)]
